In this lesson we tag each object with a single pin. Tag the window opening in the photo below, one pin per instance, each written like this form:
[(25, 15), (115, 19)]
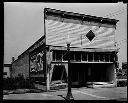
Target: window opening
[(90, 57)]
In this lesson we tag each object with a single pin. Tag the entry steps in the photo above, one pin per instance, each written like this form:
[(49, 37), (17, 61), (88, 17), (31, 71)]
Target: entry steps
[(55, 85), (100, 84)]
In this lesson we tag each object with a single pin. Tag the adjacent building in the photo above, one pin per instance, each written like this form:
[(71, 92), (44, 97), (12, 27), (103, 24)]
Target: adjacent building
[(7, 70)]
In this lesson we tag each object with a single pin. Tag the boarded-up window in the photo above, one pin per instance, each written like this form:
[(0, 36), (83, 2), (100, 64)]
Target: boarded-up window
[(107, 57), (96, 56), (65, 55), (72, 55), (102, 57), (111, 57), (59, 55), (90, 57), (54, 55), (77, 56), (84, 56)]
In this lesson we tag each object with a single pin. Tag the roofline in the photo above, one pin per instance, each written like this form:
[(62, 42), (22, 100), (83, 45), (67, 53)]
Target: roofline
[(80, 16), (7, 65), (82, 49), (31, 46)]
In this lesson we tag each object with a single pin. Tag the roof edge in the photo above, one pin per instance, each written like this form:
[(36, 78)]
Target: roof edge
[(81, 16), (32, 46)]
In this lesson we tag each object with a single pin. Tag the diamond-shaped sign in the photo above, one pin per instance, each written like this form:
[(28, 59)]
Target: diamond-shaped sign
[(90, 35)]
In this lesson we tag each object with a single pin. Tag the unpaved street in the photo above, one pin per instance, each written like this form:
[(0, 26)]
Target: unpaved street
[(119, 93)]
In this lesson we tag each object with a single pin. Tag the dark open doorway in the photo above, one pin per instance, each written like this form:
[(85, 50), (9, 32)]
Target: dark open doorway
[(59, 73), (91, 72)]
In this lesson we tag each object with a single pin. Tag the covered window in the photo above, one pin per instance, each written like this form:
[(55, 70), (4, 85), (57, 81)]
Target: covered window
[(84, 56), (111, 57), (54, 55), (65, 55), (72, 55), (96, 57), (90, 56), (107, 57), (116, 57), (101, 56), (59, 55), (78, 56)]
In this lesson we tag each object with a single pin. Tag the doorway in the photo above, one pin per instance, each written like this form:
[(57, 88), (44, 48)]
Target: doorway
[(59, 73), (81, 73)]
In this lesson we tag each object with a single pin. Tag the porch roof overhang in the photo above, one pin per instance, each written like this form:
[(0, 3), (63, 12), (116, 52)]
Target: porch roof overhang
[(52, 48)]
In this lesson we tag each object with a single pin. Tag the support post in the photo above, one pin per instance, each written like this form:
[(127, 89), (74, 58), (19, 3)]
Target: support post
[(47, 70), (93, 56), (48, 86), (87, 57), (81, 39), (115, 77)]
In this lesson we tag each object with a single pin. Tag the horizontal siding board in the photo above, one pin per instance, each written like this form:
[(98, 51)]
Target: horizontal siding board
[(56, 34)]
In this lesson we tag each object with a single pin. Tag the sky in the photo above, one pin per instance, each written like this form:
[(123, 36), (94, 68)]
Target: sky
[(23, 23)]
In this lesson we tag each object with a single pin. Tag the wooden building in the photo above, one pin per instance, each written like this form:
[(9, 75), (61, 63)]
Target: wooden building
[(93, 50)]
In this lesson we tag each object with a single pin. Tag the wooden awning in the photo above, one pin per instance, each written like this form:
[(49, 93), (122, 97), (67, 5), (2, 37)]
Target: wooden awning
[(84, 49)]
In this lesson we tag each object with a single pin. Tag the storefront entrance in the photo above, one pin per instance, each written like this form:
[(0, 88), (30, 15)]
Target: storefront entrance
[(91, 72)]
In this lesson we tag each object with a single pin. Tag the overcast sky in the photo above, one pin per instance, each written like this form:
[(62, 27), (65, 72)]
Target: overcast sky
[(23, 23)]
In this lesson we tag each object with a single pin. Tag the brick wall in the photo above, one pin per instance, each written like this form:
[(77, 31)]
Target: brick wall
[(21, 66)]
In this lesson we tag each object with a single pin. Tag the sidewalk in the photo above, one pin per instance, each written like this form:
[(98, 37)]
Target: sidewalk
[(22, 91), (119, 93)]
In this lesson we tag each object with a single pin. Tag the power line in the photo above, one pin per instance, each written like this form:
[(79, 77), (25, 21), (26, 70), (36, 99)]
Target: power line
[(124, 40), (121, 41), (115, 13)]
